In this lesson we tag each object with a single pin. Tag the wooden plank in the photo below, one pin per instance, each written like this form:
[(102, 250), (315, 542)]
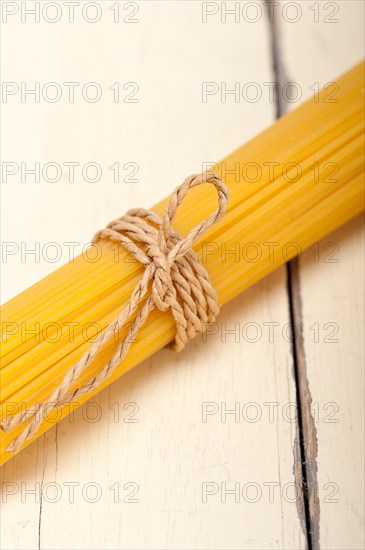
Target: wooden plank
[(334, 354), (178, 464), (328, 301)]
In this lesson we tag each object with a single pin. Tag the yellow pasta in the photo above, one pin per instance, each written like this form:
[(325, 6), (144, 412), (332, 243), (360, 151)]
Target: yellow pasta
[(290, 186)]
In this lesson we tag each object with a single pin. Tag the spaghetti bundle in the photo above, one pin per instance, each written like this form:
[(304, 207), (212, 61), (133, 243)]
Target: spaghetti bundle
[(290, 186)]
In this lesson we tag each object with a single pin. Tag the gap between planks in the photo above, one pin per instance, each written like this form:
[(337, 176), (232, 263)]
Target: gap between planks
[(306, 445)]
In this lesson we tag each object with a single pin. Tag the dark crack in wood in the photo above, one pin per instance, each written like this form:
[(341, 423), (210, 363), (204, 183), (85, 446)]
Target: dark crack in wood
[(305, 444)]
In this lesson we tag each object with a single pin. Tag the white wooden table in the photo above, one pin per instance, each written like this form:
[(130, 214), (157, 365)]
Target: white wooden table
[(203, 449)]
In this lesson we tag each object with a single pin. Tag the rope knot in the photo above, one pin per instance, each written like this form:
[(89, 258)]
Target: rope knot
[(178, 283), (175, 262), (162, 280)]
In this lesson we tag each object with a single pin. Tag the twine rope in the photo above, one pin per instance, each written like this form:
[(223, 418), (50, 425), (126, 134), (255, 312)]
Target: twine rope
[(178, 283)]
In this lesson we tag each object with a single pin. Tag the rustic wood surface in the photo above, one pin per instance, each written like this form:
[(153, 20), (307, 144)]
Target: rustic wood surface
[(212, 448)]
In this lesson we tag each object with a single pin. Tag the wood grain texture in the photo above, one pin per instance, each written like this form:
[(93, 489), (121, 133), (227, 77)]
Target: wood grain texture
[(88, 470), (329, 300), (333, 321), (170, 454)]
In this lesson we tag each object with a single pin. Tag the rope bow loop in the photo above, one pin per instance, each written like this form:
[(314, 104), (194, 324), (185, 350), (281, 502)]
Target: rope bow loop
[(163, 286)]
